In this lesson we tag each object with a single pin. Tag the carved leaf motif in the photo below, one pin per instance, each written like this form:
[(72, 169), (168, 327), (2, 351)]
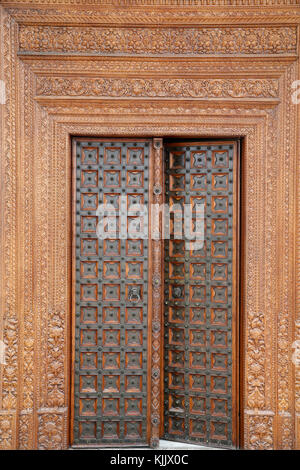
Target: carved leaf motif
[(261, 437), (159, 88), (155, 41), (50, 431)]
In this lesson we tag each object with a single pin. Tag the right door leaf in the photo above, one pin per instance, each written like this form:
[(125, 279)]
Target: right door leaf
[(201, 291)]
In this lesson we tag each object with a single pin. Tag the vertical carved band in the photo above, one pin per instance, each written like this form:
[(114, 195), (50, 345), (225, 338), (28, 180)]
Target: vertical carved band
[(9, 320), (156, 251)]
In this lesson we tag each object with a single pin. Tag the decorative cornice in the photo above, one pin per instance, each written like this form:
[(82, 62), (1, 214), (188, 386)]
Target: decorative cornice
[(157, 41), (62, 14), (158, 88), (143, 3)]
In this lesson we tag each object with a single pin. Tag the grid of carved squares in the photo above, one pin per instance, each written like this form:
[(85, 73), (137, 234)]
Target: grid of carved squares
[(197, 352), (112, 334)]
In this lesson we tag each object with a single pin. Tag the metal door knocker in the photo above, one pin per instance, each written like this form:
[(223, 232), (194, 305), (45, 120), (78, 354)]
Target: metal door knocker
[(134, 295), (157, 189)]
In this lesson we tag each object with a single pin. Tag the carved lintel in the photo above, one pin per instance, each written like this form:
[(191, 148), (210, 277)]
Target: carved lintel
[(155, 41), (158, 88)]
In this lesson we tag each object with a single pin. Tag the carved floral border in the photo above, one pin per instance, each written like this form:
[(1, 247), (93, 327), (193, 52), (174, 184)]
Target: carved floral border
[(158, 41)]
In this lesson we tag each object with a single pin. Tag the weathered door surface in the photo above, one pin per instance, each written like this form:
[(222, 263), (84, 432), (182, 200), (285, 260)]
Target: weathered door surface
[(200, 398), (112, 277), (111, 367)]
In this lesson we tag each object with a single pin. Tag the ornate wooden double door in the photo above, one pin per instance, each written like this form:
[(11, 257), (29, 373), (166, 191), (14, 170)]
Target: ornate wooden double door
[(155, 292)]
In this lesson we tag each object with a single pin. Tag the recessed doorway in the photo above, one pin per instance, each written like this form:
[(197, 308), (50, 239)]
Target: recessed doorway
[(114, 220)]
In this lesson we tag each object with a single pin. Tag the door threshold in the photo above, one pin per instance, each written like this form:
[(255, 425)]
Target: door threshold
[(166, 445), (163, 445), (182, 446)]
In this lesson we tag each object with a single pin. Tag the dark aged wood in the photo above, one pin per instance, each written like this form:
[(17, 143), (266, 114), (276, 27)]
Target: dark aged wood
[(115, 326), (211, 69), (201, 318), (116, 357)]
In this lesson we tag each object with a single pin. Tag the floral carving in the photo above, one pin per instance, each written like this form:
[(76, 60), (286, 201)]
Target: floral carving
[(9, 381), (261, 434), (27, 310), (25, 431), (157, 41), (158, 88), (256, 361), (286, 434), (55, 378), (49, 175), (50, 431), (6, 431)]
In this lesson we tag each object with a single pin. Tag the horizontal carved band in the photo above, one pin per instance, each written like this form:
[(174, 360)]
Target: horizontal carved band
[(160, 88), (156, 41), (161, 2)]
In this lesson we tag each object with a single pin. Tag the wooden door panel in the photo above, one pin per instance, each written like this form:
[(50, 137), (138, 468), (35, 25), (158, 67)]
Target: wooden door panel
[(117, 301), (201, 288), (111, 316)]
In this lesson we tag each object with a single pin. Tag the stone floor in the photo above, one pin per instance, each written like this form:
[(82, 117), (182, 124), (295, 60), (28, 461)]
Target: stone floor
[(181, 446), (170, 445)]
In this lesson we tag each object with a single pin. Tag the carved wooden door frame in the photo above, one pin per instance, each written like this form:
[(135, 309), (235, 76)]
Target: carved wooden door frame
[(145, 70)]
